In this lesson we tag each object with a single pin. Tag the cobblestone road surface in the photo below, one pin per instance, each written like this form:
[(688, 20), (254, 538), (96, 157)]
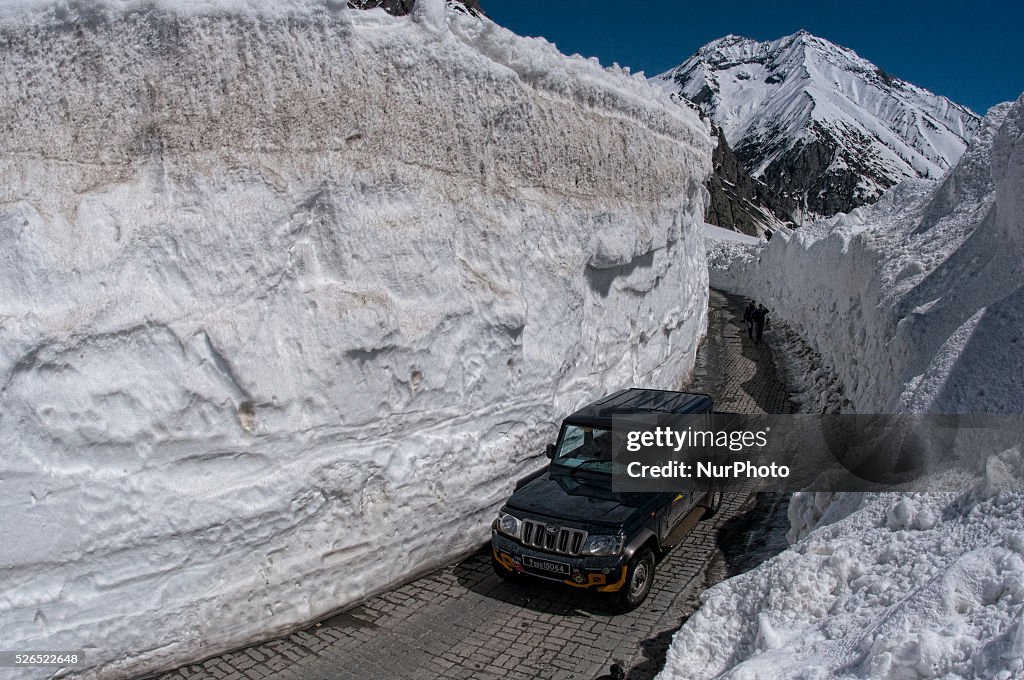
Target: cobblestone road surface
[(463, 622)]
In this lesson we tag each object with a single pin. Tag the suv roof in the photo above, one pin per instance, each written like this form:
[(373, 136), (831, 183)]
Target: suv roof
[(639, 401)]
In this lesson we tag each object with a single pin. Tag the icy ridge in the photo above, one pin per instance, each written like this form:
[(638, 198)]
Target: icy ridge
[(290, 301)]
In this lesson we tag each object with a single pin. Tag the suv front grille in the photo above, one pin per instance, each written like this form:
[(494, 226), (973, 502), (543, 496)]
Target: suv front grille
[(553, 538)]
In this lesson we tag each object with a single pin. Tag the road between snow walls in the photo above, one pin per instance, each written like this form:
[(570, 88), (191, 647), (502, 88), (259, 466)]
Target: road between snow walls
[(291, 297), (463, 620), (915, 304)]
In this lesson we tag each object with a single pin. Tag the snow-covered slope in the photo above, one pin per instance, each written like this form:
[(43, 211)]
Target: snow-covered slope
[(917, 303), (819, 123), (290, 296)]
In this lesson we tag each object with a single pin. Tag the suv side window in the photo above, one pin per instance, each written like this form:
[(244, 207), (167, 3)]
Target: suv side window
[(572, 440), (585, 443)]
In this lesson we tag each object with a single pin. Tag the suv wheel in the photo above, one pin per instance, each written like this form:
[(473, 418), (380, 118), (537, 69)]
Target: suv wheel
[(638, 581), (501, 571)]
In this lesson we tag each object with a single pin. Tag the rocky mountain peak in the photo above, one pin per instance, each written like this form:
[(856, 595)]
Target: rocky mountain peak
[(819, 123)]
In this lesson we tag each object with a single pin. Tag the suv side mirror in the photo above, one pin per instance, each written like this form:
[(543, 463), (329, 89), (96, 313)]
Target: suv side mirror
[(549, 451)]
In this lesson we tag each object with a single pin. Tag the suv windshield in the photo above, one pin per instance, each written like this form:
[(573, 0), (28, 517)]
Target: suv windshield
[(585, 447)]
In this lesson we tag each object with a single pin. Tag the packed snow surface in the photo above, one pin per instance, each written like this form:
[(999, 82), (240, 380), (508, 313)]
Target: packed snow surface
[(290, 298), (917, 304), (717, 234)]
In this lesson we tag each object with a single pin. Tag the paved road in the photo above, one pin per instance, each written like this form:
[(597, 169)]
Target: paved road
[(463, 622)]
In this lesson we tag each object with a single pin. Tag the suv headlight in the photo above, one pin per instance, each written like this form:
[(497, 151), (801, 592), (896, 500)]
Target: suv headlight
[(602, 545), (509, 525)]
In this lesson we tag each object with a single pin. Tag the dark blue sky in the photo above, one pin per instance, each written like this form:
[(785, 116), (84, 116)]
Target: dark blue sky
[(971, 52)]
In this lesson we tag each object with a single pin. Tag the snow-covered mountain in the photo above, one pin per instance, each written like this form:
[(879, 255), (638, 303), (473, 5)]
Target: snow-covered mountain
[(291, 294), (818, 123)]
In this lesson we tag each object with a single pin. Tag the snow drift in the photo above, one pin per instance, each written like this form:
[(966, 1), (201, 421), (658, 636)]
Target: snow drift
[(916, 303), (291, 296), (898, 587)]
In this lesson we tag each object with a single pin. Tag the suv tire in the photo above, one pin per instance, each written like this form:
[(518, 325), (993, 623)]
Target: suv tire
[(638, 581), (502, 572)]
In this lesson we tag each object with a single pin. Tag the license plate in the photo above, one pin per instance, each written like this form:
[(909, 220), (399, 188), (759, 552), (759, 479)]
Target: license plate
[(546, 565)]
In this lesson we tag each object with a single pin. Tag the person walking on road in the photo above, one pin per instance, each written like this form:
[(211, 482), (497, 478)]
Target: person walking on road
[(748, 318), (760, 317)]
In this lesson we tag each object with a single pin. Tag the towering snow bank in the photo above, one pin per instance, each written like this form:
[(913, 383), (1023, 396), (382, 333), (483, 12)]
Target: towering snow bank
[(930, 586), (917, 304), (291, 297)]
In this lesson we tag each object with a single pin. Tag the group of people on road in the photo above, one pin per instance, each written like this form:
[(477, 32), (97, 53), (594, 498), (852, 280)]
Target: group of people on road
[(755, 316)]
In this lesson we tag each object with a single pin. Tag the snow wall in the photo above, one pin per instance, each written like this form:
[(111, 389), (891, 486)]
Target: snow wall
[(291, 297), (915, 302), (918, 304)]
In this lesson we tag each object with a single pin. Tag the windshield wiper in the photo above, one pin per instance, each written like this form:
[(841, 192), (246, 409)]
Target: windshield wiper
[(583, 465)]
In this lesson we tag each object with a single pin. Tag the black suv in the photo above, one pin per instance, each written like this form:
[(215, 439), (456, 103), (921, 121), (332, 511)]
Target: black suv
[(565, 523)]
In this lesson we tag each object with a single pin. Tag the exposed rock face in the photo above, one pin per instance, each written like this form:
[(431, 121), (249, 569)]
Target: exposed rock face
[(810, 172), (740, 202), (403, 7), (396, 7)]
